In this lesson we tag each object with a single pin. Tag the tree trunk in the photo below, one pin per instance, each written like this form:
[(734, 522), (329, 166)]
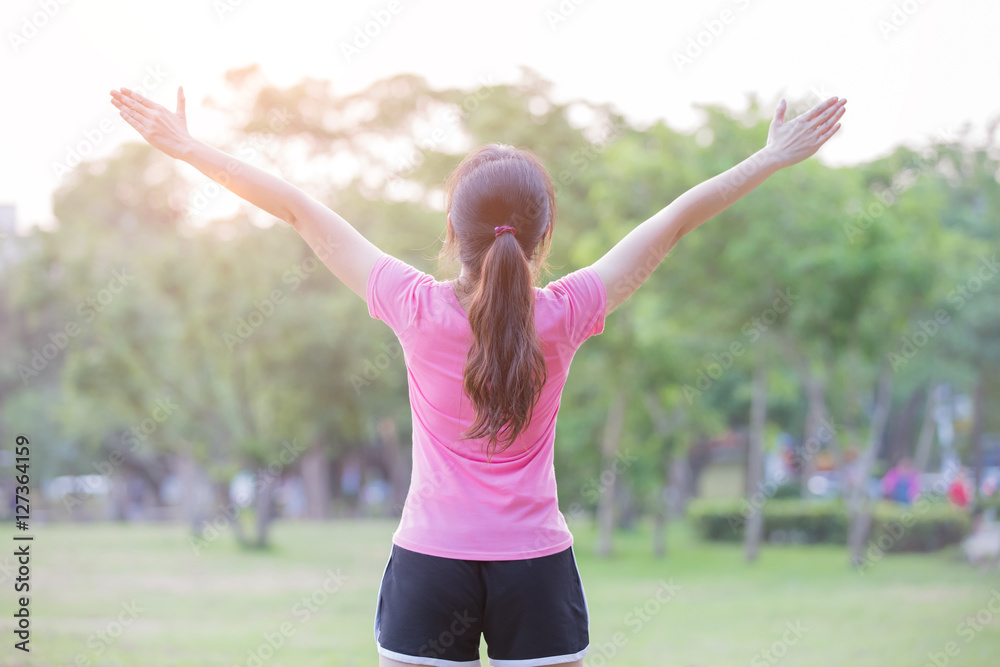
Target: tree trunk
[(263, 502), (118, 497), (978, 417), (698, 458), (147, 468), (316, 481), (859, 512), (662, 514), (815, 413), (680, 484), (227, 512), (193, 490), (755, 463), (609, 446), (901, 432), (925, 440), (663, 509)]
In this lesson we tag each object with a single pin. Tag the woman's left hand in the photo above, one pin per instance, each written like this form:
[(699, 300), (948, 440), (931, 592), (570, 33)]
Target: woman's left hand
[(802, 136), (163, 129)]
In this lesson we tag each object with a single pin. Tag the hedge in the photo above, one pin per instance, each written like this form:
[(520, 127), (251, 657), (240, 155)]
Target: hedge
[(986, 502), (926, 525)]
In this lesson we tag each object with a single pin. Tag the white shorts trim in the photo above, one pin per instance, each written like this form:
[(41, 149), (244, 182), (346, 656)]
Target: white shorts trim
[(537, 662), (436, 662), (582, 590), (378, 597)]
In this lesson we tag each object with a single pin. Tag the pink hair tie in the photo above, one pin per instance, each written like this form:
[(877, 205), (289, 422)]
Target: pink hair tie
[(503, 228)]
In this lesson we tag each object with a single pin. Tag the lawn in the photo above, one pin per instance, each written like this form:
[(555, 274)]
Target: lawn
[(106, 594)]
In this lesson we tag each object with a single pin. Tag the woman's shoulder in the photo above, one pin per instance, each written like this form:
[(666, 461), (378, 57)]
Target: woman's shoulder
[(583, 280)]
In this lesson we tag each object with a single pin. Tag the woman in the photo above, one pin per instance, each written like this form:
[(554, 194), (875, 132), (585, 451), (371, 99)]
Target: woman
[(482, 548)]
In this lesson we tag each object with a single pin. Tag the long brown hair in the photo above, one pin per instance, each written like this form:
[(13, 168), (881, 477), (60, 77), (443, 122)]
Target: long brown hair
[(505, 370)]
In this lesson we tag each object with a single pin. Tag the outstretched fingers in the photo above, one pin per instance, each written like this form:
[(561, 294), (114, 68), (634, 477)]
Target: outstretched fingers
[(823, 122), (820, 108), (139, 104), (829, 127), (125, 103), (124, 110), (135, 120), (834, 115)]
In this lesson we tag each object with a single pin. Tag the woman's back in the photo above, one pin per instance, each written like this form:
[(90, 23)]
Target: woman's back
[(461, 505)]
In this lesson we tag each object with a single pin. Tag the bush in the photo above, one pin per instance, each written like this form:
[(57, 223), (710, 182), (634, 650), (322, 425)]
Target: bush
[(793, 490), (987, 502), (924, 526)]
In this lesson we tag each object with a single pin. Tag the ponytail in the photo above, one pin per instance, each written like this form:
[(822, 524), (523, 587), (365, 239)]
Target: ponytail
[(505, 368)]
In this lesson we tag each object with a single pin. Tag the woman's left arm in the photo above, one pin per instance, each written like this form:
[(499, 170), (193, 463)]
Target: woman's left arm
[(342, 248)]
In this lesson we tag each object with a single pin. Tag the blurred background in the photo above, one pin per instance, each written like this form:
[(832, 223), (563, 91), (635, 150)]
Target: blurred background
[(785, 447)]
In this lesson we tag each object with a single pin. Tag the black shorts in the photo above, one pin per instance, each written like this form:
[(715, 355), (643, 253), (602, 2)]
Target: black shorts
[(432, 610)]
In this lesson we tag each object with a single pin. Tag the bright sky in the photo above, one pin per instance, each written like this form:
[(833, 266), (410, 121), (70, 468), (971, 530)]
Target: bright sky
[(911, 70)]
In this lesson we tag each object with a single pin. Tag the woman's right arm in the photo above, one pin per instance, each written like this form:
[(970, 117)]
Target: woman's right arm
[(631, 261), (341, 247)]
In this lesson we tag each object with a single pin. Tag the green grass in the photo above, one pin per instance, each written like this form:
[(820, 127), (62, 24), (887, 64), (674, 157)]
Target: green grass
[(214, 608)]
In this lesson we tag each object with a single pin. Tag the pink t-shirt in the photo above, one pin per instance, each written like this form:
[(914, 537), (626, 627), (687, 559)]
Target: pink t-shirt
[(460, 506)]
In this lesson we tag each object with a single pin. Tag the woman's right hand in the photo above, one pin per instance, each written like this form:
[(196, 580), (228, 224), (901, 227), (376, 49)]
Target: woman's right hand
[(794, 141), (163, 129)]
